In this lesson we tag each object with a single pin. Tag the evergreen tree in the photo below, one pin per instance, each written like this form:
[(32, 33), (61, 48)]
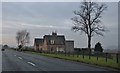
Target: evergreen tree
[(98, 47)]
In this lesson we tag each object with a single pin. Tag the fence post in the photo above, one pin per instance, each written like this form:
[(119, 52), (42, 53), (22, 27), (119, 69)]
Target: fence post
[(97, 56), (77, 54), (73, 54), (90, 55), (117, 57), (68, 53), (106, 56), (83, 54)]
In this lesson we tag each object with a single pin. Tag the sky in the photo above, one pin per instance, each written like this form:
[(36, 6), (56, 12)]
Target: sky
[(42, 18)]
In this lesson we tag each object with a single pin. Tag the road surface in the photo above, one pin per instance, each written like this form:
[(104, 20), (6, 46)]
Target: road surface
[(19, 61)]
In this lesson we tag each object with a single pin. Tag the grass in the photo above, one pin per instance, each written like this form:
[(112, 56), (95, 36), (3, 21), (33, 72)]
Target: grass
[(111, 63)]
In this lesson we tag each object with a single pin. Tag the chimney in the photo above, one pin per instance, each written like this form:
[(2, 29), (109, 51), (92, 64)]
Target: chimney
[(54, 33)]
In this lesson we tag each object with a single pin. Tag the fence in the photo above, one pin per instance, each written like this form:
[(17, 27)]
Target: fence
[(106, 56), (98, 55)]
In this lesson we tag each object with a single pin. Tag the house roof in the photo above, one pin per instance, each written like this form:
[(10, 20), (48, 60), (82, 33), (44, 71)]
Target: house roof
[(59, 39), (38, 41)]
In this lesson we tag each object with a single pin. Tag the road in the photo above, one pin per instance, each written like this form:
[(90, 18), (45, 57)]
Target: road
[(20, 61)]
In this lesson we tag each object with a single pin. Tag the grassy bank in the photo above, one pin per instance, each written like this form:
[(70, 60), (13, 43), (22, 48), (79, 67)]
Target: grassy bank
[(111, 63)]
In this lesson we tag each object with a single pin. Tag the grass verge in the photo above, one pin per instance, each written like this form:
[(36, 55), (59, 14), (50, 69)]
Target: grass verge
[(111, 63)]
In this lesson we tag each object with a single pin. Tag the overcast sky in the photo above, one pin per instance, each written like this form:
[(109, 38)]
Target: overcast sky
[(41, 18)]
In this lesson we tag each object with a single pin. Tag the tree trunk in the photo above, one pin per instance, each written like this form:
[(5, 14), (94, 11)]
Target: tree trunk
[(89, 43)]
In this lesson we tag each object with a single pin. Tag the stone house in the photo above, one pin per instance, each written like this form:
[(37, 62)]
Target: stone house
[(38, 44), (53, 43)]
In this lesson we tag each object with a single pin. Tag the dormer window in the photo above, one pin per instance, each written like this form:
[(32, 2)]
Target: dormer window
[(52, 41)]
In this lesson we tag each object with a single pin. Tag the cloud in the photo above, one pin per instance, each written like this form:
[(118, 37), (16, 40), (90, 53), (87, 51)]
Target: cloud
[(38, 12), (43, 18), (58, 0), (43, 26), (22, 25)]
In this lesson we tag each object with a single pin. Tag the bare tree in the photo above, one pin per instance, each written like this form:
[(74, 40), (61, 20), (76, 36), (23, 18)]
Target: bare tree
[(18, 37), (87, 19), (22, 38)]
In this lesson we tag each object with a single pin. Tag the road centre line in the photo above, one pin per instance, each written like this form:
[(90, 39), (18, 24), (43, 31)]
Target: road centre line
[(19, 57), (31, 63), (27, 62)]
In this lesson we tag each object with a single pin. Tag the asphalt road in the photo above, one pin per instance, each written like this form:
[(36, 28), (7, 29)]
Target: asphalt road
[(19, 61)]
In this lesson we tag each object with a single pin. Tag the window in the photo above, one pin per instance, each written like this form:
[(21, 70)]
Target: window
[(52, 41)]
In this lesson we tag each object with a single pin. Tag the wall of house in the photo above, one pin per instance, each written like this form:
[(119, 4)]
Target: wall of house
[(45, 47), (60, 48), (56, 48), (69, 46), (36, 47), (40, 47)]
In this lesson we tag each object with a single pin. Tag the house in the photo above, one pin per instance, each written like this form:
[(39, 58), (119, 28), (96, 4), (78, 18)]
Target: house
[(38, 45), (53, 43)]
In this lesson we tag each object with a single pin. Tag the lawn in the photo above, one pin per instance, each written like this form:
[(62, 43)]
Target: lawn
[(111, 63)]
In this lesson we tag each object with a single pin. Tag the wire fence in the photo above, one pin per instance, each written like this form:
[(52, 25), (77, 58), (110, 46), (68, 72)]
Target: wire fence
[(105, 56), (98, 55)]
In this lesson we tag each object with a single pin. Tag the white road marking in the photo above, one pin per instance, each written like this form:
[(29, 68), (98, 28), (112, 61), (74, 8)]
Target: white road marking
[(19, 57), (14, 55), (31, 63)]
